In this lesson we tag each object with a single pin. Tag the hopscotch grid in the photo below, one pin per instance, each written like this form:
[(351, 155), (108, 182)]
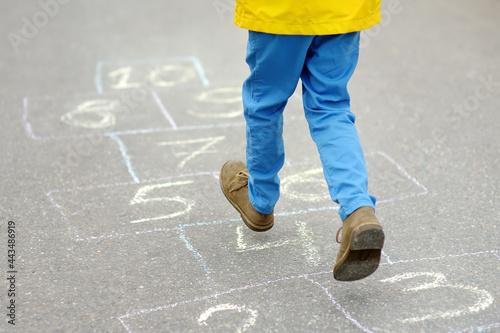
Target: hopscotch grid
[(313, 210), (100, 91), (282, 214), (306, 277)]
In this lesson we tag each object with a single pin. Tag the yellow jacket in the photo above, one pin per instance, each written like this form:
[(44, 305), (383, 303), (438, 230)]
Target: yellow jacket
[(307, 17)]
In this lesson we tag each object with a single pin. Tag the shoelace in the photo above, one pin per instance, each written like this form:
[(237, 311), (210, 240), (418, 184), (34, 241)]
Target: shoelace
[(240, 182), (338, 233)]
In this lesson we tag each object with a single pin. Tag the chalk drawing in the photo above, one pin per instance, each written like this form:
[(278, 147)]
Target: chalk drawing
[(93, 114), (112, 234), (162, 73), (182, 74), (305, 277), (309, 176), (140, 198), (207, 143), (484, 298), (337, 304), (310, 251), (225, 95), (243, 247), (249, 322), (125, 156), (122, 77), (438, 282), (163, 109), (197, 255)]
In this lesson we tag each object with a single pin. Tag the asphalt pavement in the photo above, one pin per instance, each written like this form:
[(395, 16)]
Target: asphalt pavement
[(116, 117)]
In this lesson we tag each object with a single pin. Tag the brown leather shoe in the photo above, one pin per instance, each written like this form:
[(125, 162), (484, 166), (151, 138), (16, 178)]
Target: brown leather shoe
[(360, 247), (234, 184)]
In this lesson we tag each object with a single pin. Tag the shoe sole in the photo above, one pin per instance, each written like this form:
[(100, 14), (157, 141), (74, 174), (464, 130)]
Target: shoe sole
[(363, 256), (245, 219)]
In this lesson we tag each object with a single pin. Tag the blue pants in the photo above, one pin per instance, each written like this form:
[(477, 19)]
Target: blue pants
[(325, 64)]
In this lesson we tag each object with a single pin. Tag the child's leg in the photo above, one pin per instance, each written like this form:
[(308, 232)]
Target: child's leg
[(276, 63), (329, 65)]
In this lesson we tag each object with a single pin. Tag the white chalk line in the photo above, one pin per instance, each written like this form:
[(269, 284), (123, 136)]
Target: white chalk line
[(305, 276), (494, 252), (403, 171), (163, 109), (197, 255), (338, 306), (27, 124), (114, 234), (140, 131), (146, 181), (476, 329), (98, 77), (65, 218), (387, 258), (125, 156)]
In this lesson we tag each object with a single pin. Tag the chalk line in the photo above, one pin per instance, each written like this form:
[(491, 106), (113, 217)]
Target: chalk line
[(389, 261), (98, 77), (494, 252), (126, 157), (403, 171), (147, 181), (477, 329), (196, 254), (146, 131), (201, 71), (339, 307), (27, 124), (65, 218), (163, 109)]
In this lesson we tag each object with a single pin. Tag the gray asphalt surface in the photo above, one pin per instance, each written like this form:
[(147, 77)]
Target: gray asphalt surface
[(116, 117)]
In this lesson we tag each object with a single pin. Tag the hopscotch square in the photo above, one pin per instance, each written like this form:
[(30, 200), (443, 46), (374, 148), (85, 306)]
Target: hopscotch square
[(205, 106), (177, 152), (298, 242), (149, 74), (106, 211), (261, 307), (303, 185), (66, 117), (427, 294)]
